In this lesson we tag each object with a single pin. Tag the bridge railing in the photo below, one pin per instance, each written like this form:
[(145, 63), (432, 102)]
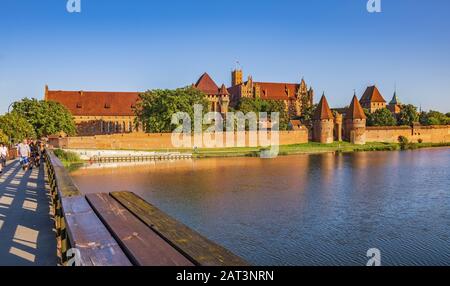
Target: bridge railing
[(92, 229), (61, 185), (82, 239)]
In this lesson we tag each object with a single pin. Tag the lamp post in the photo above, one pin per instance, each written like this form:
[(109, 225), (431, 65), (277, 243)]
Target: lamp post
[(9, 107)]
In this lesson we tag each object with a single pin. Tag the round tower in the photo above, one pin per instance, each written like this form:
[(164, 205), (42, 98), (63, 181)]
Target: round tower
[(323, 123), (355, 123), (338, 121)]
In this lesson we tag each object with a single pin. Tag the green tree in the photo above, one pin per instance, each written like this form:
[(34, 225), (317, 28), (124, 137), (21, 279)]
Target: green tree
[(448, 114), (308, 112), (46, 117), (16, 128), (258, 105), (434, 118), (3, 137), (156, 107), (381, 117), (408, 115)]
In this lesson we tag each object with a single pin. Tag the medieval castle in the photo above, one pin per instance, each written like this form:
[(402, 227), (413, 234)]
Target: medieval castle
[(98, 113)]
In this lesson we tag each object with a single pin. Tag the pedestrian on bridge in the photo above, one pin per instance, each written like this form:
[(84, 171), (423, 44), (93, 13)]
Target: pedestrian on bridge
[(3, 156)]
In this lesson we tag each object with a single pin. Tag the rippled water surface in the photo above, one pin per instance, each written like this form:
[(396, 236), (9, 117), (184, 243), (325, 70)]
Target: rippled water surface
[(303, 210)]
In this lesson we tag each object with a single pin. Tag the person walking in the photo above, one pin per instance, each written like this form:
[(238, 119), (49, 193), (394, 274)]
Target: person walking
[(24, 153), (3, 156)]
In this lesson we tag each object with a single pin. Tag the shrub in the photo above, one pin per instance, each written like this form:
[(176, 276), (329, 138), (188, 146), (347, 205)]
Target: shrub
[(420, 141), (404, 142), (67, 156)]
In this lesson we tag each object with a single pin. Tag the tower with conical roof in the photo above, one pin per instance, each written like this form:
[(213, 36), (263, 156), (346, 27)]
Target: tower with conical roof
[(224, 99), (323, 123), (355, 123), (395, 106)]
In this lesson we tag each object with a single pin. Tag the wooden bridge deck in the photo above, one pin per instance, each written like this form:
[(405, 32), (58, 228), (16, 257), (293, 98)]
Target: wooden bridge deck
[(27, 236), (121, 229)]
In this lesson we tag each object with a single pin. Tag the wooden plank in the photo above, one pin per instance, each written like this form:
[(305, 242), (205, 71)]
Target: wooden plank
[(142, 245), (193, 245), (87, 234)]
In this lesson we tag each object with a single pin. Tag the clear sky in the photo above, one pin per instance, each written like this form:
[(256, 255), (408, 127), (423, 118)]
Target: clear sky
[(135, 45)]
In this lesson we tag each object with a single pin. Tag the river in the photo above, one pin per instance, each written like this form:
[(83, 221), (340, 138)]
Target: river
[(302, 210)]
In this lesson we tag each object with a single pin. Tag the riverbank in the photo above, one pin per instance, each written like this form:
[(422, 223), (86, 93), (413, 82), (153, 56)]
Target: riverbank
[(314, 148), (71, 159)]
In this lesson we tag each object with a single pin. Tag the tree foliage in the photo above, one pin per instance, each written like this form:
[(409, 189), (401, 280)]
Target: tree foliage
[(434, 118), (258, 105), (308, 113), (16, 127), (156, 107), (3, 137), (381, 117), (46, 117), (408, 115)]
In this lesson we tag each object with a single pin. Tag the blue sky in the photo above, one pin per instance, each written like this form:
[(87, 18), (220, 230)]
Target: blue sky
[(118, 45)]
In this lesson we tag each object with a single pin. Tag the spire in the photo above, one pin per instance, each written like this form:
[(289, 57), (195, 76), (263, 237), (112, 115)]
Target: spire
[(323, 111), (355, 111), (395, 100), (223, 90), (46, 92)]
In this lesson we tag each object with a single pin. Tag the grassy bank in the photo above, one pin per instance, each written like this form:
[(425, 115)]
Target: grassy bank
[(68, 159), (313, 148)]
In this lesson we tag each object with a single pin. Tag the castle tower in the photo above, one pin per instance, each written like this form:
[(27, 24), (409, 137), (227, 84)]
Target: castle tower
[(338, 121), (224, 99), (355, 123), (46, 93), (395, 106), (372, 99), (323, 123), (236, 77)]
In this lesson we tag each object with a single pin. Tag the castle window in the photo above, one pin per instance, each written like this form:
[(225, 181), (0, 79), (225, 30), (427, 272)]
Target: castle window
[(79, 105), (107, 105)]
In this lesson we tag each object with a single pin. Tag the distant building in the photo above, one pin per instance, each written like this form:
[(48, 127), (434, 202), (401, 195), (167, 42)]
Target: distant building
[(294, 95), (219, 98), (372, 99), (395, 106), (98, 112)]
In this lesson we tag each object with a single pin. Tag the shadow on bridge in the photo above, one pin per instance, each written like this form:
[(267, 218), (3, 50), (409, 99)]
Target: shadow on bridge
[(26, 223)]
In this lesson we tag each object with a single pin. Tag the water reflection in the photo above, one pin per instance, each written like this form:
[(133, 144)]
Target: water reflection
[(303, 210)]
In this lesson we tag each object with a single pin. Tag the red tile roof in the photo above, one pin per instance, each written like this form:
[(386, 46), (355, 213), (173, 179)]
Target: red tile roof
[(223, 90), (207, 85), (89, 103), (278, 91), (355, 111), (323, 111), (372, 94)]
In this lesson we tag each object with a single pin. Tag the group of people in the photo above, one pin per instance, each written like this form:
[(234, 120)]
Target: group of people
[(29, 153)]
